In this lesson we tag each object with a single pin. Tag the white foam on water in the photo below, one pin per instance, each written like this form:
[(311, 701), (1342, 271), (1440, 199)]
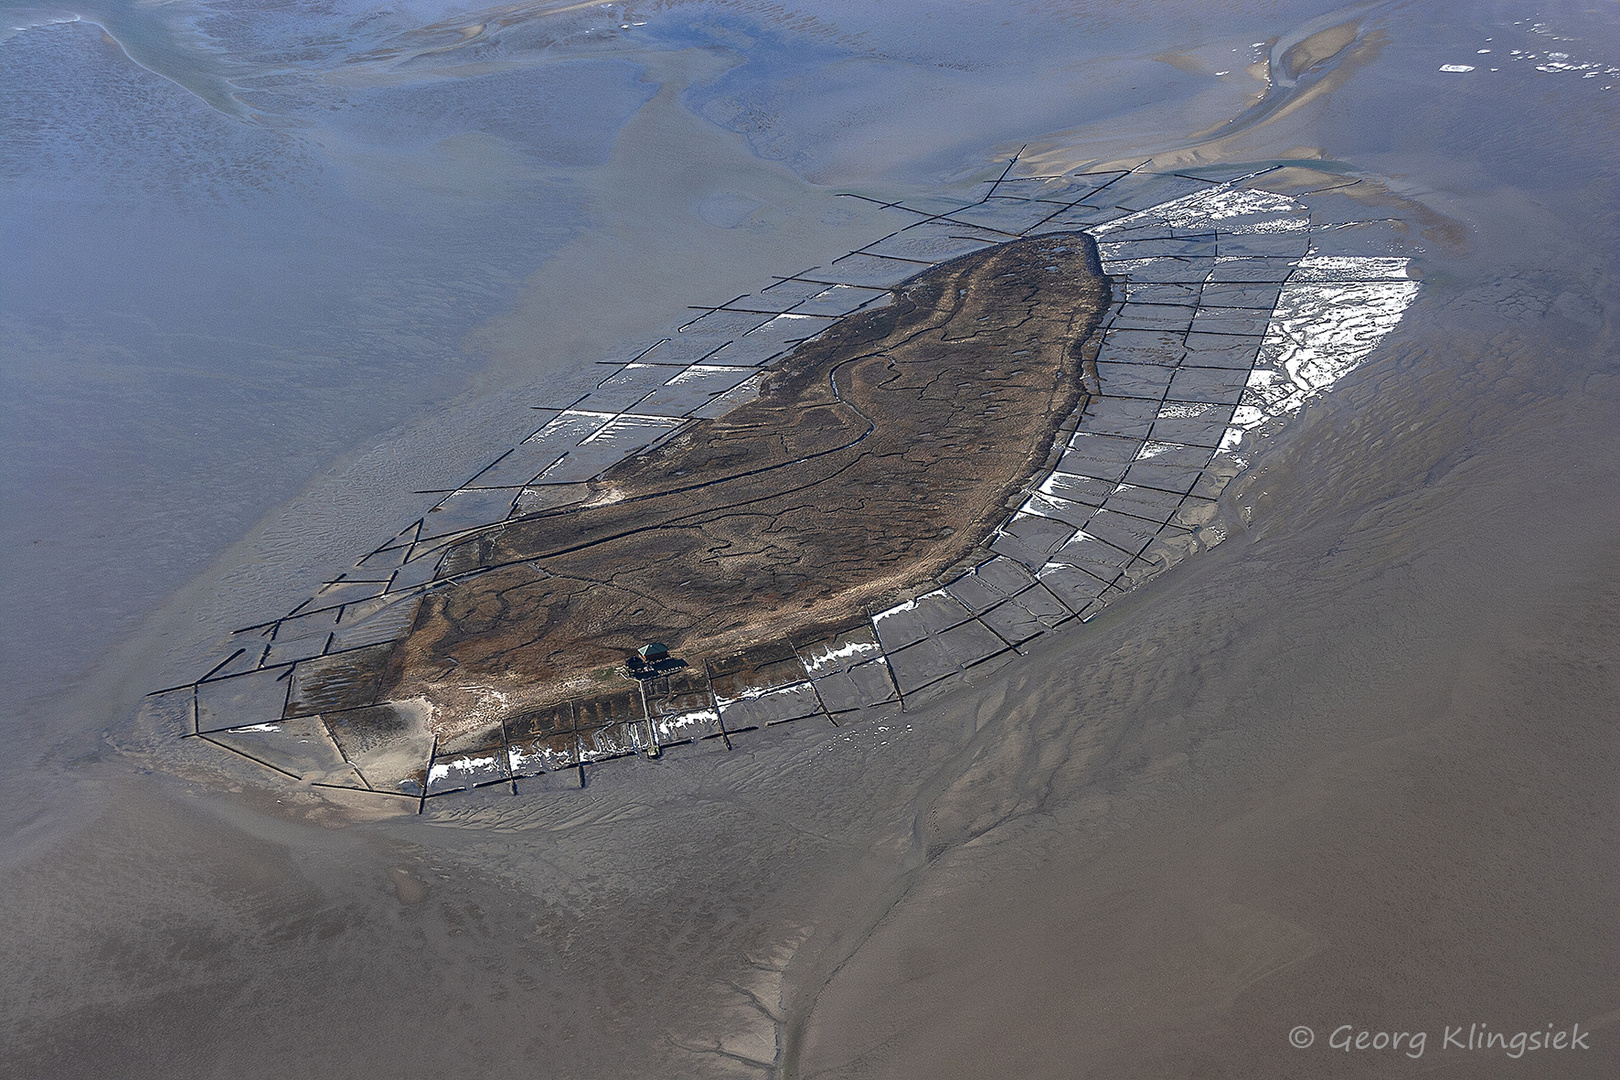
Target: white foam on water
[(898, 609), (628, 427), (702, 371), (1320, 331), (753, 693), (1152, 449), (571, 426), (830, 655), (681, 724), (1208, 209), (1351, 268)]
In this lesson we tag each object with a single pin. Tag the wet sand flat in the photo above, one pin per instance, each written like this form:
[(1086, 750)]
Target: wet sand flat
[(1350, 768), (1404, 834)]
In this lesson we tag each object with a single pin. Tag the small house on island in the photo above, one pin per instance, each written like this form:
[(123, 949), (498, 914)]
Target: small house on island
[(652, 660)]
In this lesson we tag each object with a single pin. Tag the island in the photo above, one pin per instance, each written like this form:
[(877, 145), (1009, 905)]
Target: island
[(622, 613)]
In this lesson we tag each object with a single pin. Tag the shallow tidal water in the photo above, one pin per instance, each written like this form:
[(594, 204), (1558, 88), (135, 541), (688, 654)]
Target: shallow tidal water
[(269, 274)]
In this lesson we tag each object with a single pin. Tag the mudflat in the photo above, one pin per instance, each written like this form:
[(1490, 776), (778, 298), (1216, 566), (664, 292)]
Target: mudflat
[(872, 458)]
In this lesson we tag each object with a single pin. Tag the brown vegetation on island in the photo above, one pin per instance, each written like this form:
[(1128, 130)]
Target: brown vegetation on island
[(873, 459)]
